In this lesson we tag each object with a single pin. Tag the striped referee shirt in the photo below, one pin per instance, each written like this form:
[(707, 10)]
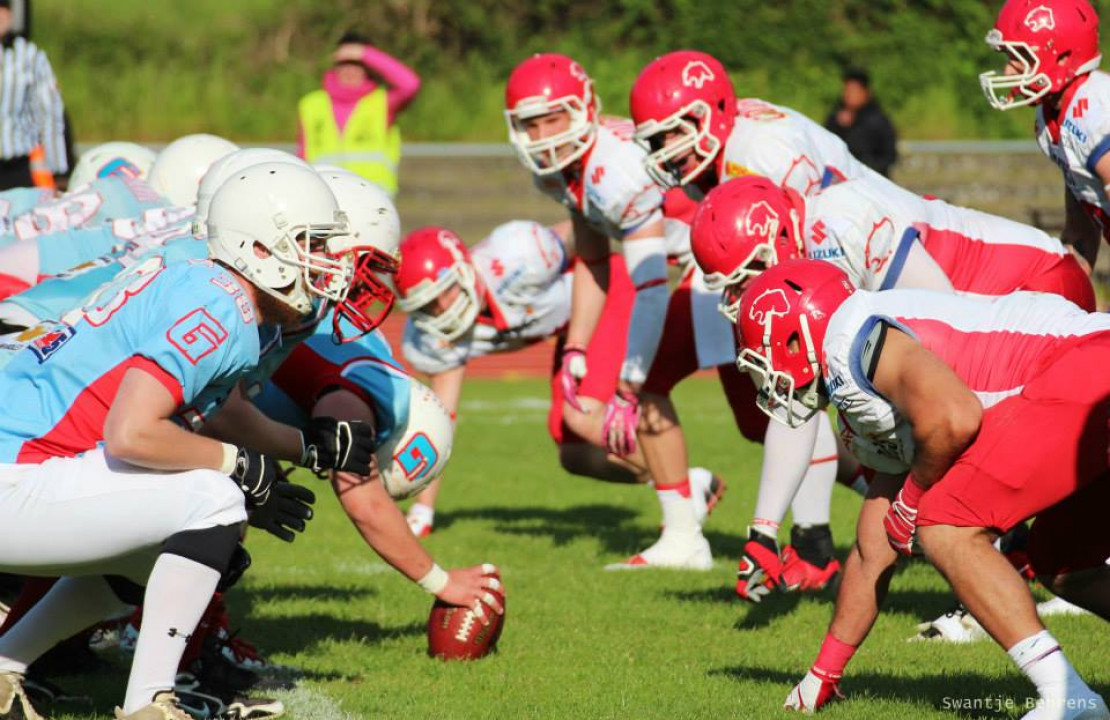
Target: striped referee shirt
[(30, 105)]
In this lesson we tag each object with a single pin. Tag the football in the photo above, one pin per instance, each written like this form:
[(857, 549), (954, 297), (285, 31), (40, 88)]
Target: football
[(456, 633)]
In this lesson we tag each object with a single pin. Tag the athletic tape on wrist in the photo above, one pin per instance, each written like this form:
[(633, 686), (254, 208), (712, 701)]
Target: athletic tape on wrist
[(231, 454), (434, 581)]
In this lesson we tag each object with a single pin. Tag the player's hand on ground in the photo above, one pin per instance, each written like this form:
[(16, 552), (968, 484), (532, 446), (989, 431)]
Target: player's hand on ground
[(255, 475), (478, 588), (760, 569), (622, 416), (286, 512), (330, 444), (812, 694), (572, 368), (900, 521)]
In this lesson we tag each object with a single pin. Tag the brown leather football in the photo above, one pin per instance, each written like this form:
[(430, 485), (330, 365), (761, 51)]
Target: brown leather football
[(456, 633)]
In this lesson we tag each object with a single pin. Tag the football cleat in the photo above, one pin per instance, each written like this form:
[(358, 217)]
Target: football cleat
[(760, 567), (706, 490), (166, 706), (675, 551), (1058, 606), (799, 575), (812, 694), (955, 626), (14, 703)]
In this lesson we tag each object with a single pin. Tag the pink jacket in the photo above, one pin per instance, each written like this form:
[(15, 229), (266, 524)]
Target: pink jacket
[(401, 81)]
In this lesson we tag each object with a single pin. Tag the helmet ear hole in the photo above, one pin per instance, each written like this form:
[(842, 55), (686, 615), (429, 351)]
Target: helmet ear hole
[(794, 343)]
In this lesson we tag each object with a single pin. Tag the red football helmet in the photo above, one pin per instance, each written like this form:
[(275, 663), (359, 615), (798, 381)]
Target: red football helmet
[(433, 261), (1049, 44), (784, 315), (741, 228), (686, 92), (545, 84)]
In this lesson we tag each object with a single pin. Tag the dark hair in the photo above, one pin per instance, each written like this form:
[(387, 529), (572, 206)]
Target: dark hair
[(351, 36), (858, 75)]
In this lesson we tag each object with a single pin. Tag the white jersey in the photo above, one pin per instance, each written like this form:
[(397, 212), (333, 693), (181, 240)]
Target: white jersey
[(787, 147), (867, 229), (522, 266), (995, 346), (1077, 139), (613, 192)]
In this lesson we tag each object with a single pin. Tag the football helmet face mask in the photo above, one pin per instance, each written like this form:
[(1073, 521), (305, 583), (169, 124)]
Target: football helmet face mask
[(1048, 44), (543, 85), (743, 227), (280, 227), (181, 165), (374, 248), (784, 315), (416, 454), (224, 168), (434, 261), (112, 158), (684, 107)]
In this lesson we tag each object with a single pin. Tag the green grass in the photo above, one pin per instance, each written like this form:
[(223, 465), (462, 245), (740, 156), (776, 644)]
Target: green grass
[(579, 642)]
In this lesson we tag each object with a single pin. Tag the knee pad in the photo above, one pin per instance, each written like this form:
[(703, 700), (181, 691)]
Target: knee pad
[(212, 546)]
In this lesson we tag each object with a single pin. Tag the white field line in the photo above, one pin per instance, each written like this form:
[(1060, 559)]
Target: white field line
[(305, 703)]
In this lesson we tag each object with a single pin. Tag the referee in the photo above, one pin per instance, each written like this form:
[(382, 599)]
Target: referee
[(31, 110)]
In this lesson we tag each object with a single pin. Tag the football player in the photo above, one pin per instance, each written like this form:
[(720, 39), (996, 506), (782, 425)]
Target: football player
[(149, 502), (970, 413), (592, 166), (1052, 58), (699, 134), (883, 237)]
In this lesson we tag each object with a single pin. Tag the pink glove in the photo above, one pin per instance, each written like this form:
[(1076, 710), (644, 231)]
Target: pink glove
[(901, 519), (572, 368), (622, 415)]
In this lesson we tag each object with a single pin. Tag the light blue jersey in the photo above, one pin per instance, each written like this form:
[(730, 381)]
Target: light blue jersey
[(20, 200), (365, 367), (191, 326)]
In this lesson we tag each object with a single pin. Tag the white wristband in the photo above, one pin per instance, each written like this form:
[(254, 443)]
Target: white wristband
[(231, 453), (434, 581)]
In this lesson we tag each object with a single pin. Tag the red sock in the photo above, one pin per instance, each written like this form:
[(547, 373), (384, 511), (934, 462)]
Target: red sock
[(832, 658)]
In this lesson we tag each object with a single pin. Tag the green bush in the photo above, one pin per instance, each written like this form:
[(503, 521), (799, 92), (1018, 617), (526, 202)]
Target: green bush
[(154, 69)]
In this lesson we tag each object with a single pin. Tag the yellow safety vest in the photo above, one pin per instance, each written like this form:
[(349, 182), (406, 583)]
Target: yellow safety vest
[(367, 146)]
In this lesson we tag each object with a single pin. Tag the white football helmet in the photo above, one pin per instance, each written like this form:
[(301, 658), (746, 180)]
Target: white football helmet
[(415, 455), (227, 166), (112, 158), (181, 165), (274, 223)]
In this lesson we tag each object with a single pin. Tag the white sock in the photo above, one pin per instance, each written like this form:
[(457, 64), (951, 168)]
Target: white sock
[(423, 513), (177, 594), (786, 456), (72, 605), (678, 508), (812, 501), (1044, 663)]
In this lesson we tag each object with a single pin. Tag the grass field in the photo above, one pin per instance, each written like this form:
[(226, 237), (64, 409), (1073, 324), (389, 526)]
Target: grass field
[(579, 642)]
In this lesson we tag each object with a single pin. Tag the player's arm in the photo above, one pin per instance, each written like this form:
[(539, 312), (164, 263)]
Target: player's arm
[(944, 413), (240, 422), (447, 386), (591, 282), (1081, 233), (140, 431), (645, 254)]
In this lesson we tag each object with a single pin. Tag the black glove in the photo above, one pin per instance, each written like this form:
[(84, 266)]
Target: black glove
[(330, 444), (286, 512), (254, 474)]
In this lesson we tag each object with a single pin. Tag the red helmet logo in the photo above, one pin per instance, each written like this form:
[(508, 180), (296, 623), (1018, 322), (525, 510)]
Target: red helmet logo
[(1040, 18), (771, 304), (763, 221), (696, 74)]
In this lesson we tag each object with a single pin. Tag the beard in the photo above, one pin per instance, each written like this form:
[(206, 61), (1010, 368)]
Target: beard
[(277, 312)]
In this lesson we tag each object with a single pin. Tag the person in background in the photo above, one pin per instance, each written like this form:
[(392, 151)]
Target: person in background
[(862, 124), (31, 108), (351, 121)]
